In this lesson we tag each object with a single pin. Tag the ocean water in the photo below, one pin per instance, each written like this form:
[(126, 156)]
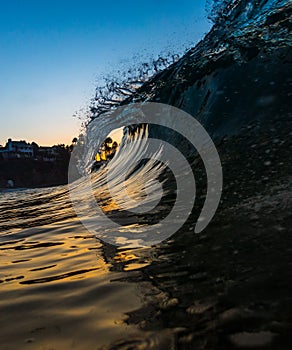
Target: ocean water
[(63, 286), (57, 290)]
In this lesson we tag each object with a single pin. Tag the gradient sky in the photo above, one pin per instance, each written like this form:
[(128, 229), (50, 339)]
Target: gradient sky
[(53, 53)]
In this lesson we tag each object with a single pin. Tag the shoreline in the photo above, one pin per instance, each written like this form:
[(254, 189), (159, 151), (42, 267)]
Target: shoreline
[(26, 173)]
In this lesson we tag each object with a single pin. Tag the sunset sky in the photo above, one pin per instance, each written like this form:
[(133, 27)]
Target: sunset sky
[(53, 53)]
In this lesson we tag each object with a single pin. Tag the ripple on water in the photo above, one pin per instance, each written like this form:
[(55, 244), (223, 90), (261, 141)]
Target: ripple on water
[(57, 279)]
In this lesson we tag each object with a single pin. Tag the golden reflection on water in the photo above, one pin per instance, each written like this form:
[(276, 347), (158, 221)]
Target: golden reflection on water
[(135, 262), (109, 205), (57, 291)]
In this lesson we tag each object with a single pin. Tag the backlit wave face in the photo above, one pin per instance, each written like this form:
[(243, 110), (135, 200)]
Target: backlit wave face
[(131, 185)]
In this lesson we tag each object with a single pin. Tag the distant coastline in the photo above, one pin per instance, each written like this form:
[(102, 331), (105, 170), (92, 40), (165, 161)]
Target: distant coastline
[(32, 173), (28, 165), (25, 165)]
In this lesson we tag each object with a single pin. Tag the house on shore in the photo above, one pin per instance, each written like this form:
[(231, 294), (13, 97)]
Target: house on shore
[(32, 151), (47, 154), (17, 149)]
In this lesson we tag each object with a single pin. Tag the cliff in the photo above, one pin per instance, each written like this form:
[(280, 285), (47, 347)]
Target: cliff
[(27, 173)]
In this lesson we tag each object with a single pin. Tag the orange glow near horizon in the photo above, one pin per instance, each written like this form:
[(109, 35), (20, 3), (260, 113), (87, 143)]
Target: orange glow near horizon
[(51, 136), (117, 135)]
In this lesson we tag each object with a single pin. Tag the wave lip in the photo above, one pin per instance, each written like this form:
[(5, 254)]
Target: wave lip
[(139, 191)]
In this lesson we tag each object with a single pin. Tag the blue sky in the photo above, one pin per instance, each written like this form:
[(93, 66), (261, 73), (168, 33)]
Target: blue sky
[(53, 54)]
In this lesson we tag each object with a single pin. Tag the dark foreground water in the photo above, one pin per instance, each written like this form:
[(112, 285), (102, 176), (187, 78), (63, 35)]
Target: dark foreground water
[(229, 287)]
